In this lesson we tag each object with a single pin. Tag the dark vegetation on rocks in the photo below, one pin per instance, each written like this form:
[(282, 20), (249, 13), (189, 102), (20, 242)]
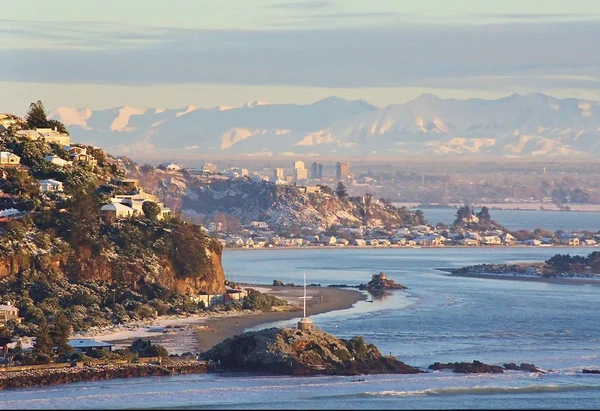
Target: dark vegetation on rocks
[(299, 352), (479, 367), (559, 265)]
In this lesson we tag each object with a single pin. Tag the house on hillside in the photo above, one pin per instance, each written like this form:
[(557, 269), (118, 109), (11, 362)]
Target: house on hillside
[(129, 205), (50, 185), (9, 159), (117, 210), (9, 312), (57, 160), (51, 135), (80, 155)]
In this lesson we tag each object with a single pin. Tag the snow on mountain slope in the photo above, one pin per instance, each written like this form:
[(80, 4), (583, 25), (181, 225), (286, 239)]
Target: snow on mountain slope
[(516, 125)]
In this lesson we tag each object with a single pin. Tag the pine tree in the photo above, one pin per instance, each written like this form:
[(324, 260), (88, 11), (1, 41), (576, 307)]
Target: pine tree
[(61, 331), (36, 116), (340, 190), (43, 341)]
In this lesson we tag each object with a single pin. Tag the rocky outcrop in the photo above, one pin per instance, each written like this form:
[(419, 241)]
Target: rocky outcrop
[(380, 282), (477, 367), (302, 352), (204, 197)]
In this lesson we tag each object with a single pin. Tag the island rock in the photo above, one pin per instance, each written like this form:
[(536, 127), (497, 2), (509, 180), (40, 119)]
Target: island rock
[(380, 282), (290, 351)]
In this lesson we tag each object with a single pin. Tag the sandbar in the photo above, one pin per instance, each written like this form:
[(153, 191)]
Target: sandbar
[(198, 333)]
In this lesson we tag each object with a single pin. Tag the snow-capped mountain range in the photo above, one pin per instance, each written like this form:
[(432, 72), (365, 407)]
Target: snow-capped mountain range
[(515, 126)]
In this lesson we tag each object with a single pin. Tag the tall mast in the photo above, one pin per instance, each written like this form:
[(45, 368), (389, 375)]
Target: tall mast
[(305, 295)]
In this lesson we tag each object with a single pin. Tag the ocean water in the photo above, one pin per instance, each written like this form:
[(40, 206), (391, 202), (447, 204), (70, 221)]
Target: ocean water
[(526, 219), (438, 318)]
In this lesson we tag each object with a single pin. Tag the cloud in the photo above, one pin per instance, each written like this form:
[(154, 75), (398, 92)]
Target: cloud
[(547, 54), (303, 5), (533, 16)]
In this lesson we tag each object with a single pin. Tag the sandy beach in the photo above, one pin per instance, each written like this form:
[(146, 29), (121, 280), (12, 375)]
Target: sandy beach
[(198, 333)]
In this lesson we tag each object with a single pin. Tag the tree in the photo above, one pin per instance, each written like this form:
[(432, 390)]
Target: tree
[(151, 210), (36, 118), (462, 213), (484, 214), (340, 190), (61, 331), (43, 340), (6, 336)]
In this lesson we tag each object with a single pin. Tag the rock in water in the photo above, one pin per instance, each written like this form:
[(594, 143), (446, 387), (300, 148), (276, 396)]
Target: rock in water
[(381, 282), (302, 352)]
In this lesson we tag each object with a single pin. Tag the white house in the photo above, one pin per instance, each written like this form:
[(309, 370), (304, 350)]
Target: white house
[(51, 135), (51, 185), (117, 210), (9, 312), (8, 158), (491, 240), (56, 160)]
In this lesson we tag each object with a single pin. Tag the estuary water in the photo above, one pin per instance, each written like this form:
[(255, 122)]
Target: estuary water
[(526, 219), (439, 318)]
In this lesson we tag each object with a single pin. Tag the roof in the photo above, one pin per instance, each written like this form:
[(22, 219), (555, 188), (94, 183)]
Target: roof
[(88, 343), (8, 154), (51, 181), (115, 207), (5, 307)]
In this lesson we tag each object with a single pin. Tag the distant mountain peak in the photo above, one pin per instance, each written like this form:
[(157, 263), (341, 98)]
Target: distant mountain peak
[(256, 103)]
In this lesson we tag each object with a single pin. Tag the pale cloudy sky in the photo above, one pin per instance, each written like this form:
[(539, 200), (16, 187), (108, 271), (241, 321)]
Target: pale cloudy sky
[(170, 54)]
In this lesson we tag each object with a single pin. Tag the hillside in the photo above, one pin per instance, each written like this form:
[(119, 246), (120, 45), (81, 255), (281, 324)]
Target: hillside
[(60, 253), (513, 126), (210, 198)]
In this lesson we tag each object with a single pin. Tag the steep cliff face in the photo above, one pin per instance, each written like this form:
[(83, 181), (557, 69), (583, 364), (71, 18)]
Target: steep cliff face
[(209, 279)]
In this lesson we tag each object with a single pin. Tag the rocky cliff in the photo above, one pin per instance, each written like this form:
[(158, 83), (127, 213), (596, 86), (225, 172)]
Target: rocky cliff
[(303, 352)]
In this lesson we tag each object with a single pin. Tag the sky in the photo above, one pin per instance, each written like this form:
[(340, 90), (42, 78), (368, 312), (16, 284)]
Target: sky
[(170, 54)]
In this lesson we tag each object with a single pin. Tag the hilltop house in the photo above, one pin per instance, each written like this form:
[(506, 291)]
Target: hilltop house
[(129, 205), (51, 135)]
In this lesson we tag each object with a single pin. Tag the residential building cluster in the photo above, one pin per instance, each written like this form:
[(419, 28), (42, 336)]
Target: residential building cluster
[(258, 235)]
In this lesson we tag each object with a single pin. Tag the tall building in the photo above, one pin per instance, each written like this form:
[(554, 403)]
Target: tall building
[(300, 171), (300, 174), (278, 173), (316, 170), (299, 164), (342, 170)]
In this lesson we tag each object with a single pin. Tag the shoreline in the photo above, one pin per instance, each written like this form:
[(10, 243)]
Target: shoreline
[(198, 333), (405, 247), (550, 280)]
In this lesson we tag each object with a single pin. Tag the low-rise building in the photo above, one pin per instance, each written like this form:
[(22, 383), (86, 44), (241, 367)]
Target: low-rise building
[(57, 160), (86, 345), (51, 185), (9, 312), (9, 159)]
